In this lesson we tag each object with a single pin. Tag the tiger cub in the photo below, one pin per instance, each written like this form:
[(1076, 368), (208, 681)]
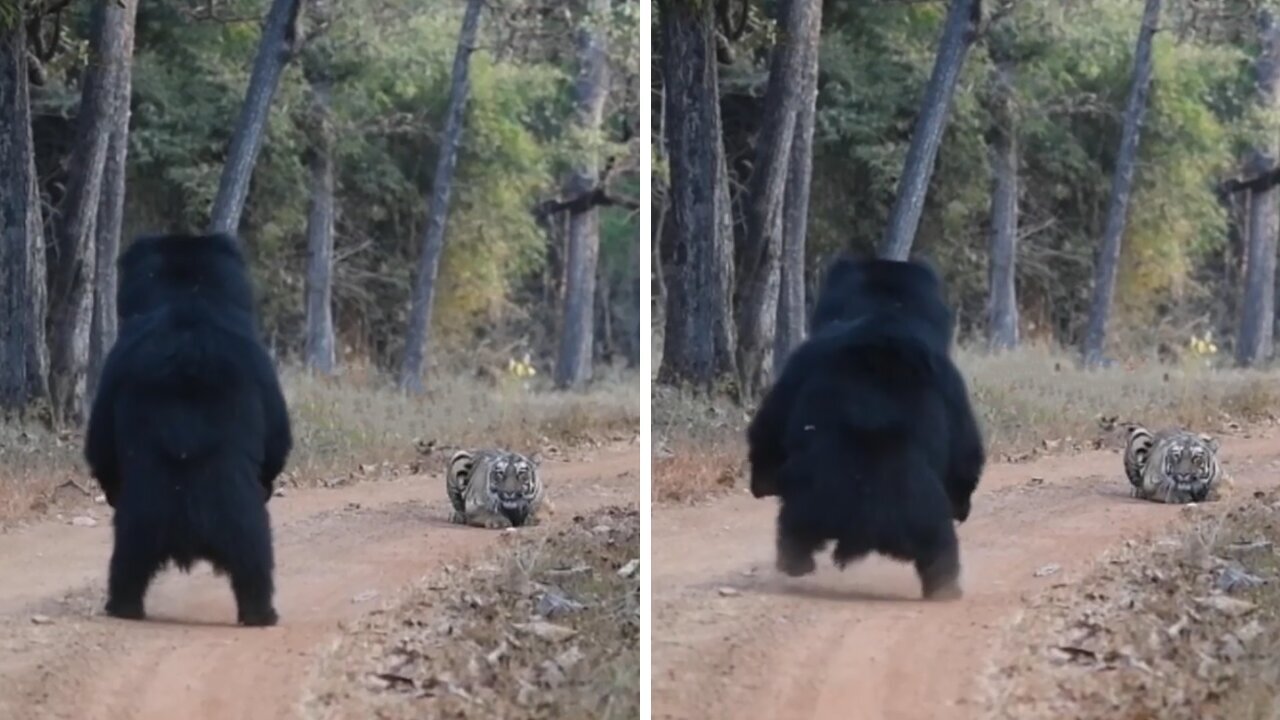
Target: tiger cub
[(1173, 466), (494, 489)]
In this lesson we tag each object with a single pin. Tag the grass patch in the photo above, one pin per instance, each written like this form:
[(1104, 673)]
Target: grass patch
[(1185, 626), (1028, 401), (357, 426), (548, 628)]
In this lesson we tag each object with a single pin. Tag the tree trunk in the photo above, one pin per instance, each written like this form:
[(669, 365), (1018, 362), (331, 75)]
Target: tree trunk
[(417, 335), (320, 350), (697, 232), (1104, 283), (573, 365), (1255, 339), (605, 345), (37, 310), (21, 241), (963, 17), (71, 301), (1002, 303), (760, 274), (791, 300), (279, 35), (110, 222), (634, 333)]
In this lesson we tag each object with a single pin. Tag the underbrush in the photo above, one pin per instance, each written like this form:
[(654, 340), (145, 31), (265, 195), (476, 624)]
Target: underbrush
[(357, 426), (1029, 402), (547, 628), (1184, 626)]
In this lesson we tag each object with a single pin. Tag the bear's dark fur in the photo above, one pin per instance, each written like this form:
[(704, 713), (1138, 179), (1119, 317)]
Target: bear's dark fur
[(868, 436), (189, 428)]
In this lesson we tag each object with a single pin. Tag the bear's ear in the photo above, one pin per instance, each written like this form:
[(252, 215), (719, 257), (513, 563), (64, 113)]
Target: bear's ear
[(1209, 441)]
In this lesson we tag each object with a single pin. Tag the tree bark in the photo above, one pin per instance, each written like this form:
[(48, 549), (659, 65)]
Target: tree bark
[(1255, 338), (760, 274), (279, 35), (1104, 283), (697, 232), (21, 239), (963, 17), (634, 333), (37, 309), (417, 335), (321, 347), (110, 221), (573, 365), (1002, 303), (791, 297), (71, 301)]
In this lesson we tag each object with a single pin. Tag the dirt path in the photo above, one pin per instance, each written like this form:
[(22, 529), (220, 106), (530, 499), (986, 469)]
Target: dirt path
[(189, 661), (735, 639)]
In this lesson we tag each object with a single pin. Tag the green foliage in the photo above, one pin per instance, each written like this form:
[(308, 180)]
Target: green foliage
[(391, 63), (1072, 75)]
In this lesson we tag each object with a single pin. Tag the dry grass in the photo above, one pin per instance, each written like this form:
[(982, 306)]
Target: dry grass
[(1033, 395), (1028, 401), (341, 423), (549, 628), (1184, 626), (357, 426)]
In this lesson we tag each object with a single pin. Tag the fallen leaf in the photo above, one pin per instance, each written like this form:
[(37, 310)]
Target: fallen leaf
[(546, 631), (1229, 606), (630, 569), (1047, 570)]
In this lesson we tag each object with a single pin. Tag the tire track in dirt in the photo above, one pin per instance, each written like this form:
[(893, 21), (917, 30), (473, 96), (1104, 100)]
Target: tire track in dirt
[(189, 660), (735, 639)]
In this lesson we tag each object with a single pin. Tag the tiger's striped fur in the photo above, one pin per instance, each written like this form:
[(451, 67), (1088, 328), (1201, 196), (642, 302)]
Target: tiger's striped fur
[(1173, 466), (494, 489)]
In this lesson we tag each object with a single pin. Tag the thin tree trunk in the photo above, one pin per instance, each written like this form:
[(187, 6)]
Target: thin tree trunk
[(417, 335), (320, 350), (634, 333), (963, 17), (791, 300), (71, 302), (605, 342), (37, 310), (21, 322), (573, 365), (110, 222), (760, 273), (696, 231), (1002, 302), (1104, 284), (279, 35), (1255, 339)]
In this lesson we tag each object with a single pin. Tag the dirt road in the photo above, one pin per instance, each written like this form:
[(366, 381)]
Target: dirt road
[(735, 639), (60, 658)]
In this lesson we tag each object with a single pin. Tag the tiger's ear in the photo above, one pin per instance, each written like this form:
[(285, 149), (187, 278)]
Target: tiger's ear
[(1136, 430), (536, 459), (1209, 441), (460, 460)]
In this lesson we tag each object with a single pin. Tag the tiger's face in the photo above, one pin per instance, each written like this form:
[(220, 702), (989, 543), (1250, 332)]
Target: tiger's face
[(512, 481), (1189, 462)]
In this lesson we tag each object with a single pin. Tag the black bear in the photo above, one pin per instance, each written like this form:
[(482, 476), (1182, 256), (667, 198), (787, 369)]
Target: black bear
[(189, 428), (868, 436)]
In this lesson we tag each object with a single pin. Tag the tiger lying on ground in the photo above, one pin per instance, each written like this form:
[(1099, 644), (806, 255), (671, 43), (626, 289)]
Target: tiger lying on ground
[(494, 489), (1173, 466)]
